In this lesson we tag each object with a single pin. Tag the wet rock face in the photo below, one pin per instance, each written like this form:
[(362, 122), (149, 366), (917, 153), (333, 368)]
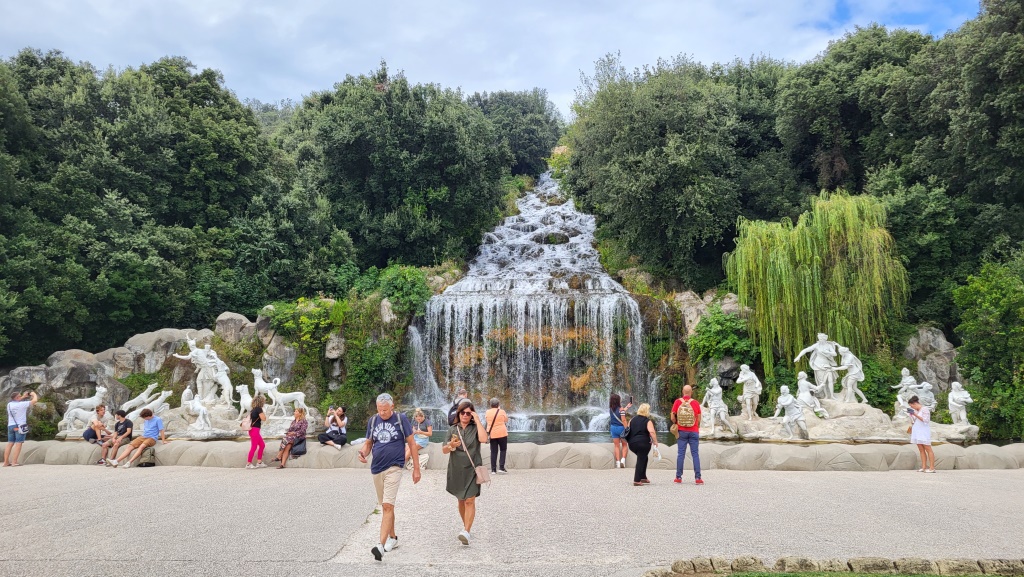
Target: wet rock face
[(233, 327), (935, 357)]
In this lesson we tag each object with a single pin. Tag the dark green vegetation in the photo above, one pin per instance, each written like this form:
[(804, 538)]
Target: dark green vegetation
[(683, 163), (152, 197)]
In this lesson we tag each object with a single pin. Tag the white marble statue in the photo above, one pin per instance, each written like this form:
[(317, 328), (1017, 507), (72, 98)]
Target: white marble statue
[(206, 370), (854, 374), (268, 390), (958, 401), (196, 407), (751, 391), (717, 409), (71, 416), (245, 400), (907, 384), (925, 396), (823, 363), (298, 398), (157, 405), (143, 398), (794, 413), (805, 396), (90, 403), (223, 379)]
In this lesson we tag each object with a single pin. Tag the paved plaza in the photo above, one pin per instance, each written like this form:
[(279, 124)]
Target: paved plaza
[(90, 520)]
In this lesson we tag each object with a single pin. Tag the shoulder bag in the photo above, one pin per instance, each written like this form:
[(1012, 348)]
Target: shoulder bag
[(483, 474), (490, 426)]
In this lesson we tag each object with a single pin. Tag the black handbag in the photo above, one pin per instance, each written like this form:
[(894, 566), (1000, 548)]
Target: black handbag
[(299, 448)]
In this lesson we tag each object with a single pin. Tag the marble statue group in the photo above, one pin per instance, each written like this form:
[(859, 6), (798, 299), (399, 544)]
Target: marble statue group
[(208, 412)]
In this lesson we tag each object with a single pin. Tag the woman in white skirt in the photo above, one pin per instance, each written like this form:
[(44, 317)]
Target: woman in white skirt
[(921, 433)]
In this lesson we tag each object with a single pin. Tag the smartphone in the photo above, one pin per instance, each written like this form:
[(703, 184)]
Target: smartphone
[(631, 399), (911, 411)]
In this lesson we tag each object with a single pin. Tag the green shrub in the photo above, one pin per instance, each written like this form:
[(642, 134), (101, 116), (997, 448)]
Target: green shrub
[(406, 287), (719, 335)]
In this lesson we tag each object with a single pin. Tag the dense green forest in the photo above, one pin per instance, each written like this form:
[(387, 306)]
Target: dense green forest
[(136, 199)]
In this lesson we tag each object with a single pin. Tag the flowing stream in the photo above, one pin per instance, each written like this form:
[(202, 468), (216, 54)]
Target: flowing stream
[(537, 323)]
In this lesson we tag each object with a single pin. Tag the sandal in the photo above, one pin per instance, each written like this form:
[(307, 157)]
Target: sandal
[(280, 466), (637, 484), (276, 460)]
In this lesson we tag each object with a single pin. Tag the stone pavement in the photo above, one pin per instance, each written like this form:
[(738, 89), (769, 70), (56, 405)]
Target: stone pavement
[(89, 520)]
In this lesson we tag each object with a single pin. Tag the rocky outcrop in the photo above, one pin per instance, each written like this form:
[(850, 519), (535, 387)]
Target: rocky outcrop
[(263, 329), (692, 307), (151, 350), (935, 358), (387, 314), (278, 360), (232, 328)]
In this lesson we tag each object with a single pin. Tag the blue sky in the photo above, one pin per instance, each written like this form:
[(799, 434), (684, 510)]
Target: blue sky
[(271, 50)]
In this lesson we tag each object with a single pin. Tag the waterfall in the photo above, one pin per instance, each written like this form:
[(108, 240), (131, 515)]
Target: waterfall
[(535, 322)]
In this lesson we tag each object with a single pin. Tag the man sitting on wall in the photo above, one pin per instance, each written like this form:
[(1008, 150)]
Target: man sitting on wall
[(97, 432), (152, 428), (122, 434)]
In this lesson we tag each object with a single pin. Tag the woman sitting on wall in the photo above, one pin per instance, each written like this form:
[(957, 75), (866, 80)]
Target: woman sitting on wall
[(296, 432)]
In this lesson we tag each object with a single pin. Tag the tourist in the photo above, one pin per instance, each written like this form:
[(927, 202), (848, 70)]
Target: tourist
[(152, 428), (256, 443), (640, 438), (387, 435), (296, 432), (336, 434), (461, 395), (921, 433), (17, 425), (97, 432), (617, 427), (497, 430), (421, 431), (122, 434), (686, 418), (463, 444)]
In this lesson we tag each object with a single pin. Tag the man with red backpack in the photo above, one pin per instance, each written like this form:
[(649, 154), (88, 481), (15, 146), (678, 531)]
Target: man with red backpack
[(686, 426)]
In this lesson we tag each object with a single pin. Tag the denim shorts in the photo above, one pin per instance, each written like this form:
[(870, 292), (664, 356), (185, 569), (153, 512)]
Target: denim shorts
[(616, 431), (422, 441), (14, 434)]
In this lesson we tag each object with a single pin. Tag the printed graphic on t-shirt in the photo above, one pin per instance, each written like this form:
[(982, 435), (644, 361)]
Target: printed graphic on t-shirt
[(385, 432)]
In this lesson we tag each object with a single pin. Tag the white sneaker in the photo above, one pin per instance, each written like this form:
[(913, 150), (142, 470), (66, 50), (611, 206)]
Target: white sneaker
[(113, 463), (464, 537), (338, 447), (390, 544), (623, 461), (378, 551), (250, 466), (261, 465), (128, 464)]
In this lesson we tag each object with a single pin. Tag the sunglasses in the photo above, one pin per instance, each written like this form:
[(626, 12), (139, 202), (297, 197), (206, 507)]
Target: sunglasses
[(466, 413)]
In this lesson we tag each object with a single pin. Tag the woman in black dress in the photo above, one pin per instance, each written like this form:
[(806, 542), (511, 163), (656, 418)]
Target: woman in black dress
[(463, 446), (641, 437)]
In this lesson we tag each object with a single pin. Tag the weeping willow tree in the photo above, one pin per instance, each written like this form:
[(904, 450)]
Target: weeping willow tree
[(835, 271)]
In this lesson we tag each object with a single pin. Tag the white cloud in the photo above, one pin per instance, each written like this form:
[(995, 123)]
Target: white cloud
[(270, 50)]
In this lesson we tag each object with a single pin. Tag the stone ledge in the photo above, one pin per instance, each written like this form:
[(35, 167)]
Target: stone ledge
[(870, 565), (745, 456)]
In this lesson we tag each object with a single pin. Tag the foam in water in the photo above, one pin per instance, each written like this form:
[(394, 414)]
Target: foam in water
[(535, 322)]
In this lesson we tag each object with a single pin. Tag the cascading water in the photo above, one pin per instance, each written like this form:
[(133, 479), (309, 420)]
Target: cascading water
[(535, 322)]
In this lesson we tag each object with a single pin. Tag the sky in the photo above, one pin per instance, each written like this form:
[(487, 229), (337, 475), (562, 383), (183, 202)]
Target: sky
[(278, 50)]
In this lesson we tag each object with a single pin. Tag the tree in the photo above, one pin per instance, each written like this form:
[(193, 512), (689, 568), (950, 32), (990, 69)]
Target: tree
[(526, 121), (992, 328), (835, 271)]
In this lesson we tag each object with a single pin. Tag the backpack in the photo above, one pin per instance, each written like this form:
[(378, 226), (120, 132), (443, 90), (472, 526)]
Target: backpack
[(685, 417)]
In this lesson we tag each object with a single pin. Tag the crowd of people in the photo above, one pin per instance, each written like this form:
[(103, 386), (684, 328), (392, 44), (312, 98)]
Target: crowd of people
[(394, 442)]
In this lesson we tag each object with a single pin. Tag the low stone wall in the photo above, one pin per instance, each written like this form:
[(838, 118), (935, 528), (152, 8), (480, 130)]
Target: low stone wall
[(744, 456), (879, 565)]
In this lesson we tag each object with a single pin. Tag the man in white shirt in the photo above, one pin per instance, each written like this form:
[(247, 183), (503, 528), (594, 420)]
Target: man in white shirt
[(17, 425)]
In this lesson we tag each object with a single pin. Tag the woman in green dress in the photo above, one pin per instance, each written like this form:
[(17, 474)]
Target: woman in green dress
[(463, 448)]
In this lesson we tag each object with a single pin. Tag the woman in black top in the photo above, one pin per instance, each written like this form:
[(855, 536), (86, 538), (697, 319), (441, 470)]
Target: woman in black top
[(641, 437), (257, 416)]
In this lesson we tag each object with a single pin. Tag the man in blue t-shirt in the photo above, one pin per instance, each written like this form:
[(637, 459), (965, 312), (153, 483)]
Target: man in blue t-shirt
[(152, 427), (387, 435)]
